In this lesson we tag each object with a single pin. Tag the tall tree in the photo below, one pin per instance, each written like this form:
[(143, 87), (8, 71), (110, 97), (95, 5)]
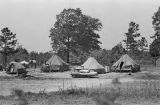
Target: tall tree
[(103, 56), (7, 43), (118, 49), (143, 44), (21, 54), (116, 52), (75, 31), (156, 24), (154, 47), (131, 35)]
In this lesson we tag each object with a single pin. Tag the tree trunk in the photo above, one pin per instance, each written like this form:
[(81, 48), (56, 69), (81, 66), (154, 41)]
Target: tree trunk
[(68, 51), (155, 59), (4, 61)]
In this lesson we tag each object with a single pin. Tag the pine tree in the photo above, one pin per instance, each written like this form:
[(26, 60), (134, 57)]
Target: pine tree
[(7, 43)]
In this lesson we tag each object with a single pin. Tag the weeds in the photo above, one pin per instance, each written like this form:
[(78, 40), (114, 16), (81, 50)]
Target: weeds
[(19, 94), (149, 76), (109, 97), (102, 95)]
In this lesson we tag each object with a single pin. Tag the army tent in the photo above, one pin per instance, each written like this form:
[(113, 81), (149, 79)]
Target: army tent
[(91, 63), (125, 63), (56, 63), (14, 67), (56, 60)]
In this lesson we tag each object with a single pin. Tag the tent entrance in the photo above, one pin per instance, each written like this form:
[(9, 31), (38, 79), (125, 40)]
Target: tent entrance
[(121, 65)]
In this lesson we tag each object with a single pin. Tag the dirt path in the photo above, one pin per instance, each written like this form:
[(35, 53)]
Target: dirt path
[(58, 81)]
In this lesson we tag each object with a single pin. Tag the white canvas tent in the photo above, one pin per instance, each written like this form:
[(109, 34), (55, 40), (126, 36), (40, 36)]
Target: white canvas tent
[(124, 63), (57, 64), (91, 63), (56, 60)]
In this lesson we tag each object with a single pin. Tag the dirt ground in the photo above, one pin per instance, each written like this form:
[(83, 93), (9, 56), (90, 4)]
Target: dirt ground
[(55, 81)]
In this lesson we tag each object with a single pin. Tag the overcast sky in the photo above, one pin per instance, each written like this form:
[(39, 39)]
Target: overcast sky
[(31, 20)]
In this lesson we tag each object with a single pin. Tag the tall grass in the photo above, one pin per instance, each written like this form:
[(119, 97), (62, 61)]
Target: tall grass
[(20, 96), (103, 95), (108, 95)]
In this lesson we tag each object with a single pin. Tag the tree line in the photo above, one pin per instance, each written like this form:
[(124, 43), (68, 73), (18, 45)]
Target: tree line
[(74, 36)]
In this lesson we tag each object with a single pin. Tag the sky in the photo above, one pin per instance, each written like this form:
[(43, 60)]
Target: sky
[(31, 20)]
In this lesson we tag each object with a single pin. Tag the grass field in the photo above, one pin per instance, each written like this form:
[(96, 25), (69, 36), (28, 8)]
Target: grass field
[(141, 88)]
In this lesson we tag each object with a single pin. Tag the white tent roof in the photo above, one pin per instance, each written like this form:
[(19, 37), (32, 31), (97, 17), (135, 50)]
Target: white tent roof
[(24, 62), (92, 63), (127, 61), (56, 60)]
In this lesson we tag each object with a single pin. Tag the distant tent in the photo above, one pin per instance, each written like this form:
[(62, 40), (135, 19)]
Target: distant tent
[(24, 62), (91, 63), (125, 63), (14, 67), (56, 63), (56, 60)]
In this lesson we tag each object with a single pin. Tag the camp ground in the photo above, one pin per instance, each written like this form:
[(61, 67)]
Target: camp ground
[(79, 52)]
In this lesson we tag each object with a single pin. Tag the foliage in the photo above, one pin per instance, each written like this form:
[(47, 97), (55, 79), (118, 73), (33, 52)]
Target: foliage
[(21, 54), (41, 58), (103, 56), (116, 52), (74, 58), (154, 48), (142, 44), (75, 31), (156, 24), (7, 43), (131, 35)]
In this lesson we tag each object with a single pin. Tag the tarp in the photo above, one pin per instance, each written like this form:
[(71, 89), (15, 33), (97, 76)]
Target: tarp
[(124, 62), (56, 60), (91, 63)]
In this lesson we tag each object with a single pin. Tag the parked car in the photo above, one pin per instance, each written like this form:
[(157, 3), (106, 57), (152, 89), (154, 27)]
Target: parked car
[(84, 74)]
